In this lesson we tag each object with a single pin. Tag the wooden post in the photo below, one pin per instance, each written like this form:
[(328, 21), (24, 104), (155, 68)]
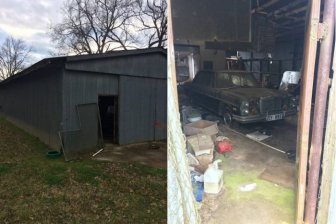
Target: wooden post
[(305, 105), (329, 155), (320, 103)]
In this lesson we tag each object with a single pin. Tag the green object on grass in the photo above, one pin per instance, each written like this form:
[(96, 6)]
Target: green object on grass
[(53, 154)]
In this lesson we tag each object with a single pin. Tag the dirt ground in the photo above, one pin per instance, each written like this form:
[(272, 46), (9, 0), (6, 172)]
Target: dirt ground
[(150, 153), (272, 200)]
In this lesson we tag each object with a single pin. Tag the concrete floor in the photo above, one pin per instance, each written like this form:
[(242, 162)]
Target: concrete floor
[(150, 153), (250, 155), (283, 132), (272, 201)]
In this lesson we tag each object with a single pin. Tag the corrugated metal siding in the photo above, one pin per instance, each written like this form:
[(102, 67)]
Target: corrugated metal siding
[(43, 101), (34, 104), (84, 87), (161, 109), (145, 65), (142, 104)]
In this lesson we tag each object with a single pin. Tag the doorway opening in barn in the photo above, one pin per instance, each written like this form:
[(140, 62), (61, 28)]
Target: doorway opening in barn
[(108, 108)]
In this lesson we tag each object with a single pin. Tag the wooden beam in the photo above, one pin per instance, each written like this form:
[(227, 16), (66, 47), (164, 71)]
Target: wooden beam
[(290, 13), (305, 106), (320, 105), (286, 7), (329, 155), (264, 6)]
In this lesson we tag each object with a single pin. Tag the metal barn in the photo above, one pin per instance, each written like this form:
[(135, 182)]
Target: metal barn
[(74, 102)]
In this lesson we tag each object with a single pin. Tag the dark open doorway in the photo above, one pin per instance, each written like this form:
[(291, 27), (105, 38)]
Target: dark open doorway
[(108, 107)]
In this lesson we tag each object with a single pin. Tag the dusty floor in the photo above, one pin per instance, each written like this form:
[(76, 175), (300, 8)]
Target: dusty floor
[(150, 153), (283, 132), (271, 202), (273, 199)]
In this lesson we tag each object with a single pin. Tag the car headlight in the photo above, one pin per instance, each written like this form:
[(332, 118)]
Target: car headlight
[(245, 112), (293, 102), (251, 107), (244, 106)]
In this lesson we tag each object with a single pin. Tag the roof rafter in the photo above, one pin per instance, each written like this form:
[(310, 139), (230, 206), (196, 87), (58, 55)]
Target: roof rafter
[(264, 6), (287, 7)]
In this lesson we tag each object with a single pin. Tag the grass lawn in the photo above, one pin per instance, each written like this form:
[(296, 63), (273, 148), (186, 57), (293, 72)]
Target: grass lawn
[(35, 189)]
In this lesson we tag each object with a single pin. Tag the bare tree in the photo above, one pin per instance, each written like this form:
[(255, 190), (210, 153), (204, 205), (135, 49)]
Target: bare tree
[(153, 18), (95, 26), (13, 55)]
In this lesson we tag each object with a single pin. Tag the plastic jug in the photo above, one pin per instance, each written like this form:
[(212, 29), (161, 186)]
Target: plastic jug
[(213, 181)]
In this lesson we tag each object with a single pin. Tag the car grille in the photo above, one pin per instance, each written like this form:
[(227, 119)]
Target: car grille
[(269, 104)]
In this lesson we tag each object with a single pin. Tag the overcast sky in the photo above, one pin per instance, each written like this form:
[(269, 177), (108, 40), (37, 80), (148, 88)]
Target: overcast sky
[(30, 20)]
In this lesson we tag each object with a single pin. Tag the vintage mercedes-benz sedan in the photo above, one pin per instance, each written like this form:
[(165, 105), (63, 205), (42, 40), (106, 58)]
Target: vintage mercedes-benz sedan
[(235, 95)]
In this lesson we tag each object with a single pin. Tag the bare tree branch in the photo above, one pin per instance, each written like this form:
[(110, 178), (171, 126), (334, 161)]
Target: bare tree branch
[(95, 26), (153, 20), (13, 55)]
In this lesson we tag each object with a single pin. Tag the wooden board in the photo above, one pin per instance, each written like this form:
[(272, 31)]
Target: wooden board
[(305, 106)]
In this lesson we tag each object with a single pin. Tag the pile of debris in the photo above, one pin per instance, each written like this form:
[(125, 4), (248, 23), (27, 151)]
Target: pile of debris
[(203, 141)]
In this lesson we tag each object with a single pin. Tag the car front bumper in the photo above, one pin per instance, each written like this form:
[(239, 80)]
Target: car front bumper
[(260, 117)]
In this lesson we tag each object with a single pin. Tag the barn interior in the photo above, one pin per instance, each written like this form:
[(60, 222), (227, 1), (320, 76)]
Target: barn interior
[(263, 38)]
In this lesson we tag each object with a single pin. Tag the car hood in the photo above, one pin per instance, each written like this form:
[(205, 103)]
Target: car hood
[(248, 93)]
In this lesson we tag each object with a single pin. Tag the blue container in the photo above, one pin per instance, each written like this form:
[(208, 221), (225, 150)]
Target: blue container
[(198, 187), (200, 191)]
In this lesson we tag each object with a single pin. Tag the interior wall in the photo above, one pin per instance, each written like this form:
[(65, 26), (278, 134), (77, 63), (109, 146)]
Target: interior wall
[(216, 57), (291, 52), (221, 20)]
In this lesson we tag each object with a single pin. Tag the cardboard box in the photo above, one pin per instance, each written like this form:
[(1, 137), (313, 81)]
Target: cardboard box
[(200, 144), (201, 127), (204, 161)]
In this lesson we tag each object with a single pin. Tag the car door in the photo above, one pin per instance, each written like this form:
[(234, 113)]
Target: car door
[(203, 85)]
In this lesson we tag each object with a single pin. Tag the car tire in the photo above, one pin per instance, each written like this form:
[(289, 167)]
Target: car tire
[(227, 118)]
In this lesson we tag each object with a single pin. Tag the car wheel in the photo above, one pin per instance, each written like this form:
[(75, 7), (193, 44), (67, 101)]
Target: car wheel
[(227, 118)]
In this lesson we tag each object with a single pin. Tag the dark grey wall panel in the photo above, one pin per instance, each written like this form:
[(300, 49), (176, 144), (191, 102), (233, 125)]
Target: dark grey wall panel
[(141, 101), (81, 88), (161, 110), (147, 65), (34, 104)]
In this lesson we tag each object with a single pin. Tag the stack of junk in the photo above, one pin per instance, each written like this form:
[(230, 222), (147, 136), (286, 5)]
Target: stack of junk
[(202, 138)]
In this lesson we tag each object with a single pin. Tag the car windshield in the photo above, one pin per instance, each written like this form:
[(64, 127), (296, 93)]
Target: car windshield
[(226, 80)]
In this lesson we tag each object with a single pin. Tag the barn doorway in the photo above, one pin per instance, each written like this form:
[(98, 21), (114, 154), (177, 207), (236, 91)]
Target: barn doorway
[(108, 108)]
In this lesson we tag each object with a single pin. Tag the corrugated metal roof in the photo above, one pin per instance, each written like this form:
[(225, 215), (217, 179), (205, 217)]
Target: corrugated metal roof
[(63, 59), (118, 54)]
